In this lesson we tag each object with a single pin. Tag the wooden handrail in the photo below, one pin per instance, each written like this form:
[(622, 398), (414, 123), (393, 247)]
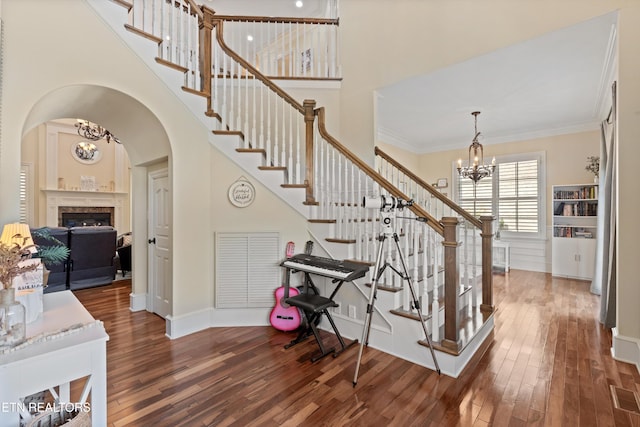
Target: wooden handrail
[(196, 9), (320, 21), (438, 195), (218, 23), (418, 210)]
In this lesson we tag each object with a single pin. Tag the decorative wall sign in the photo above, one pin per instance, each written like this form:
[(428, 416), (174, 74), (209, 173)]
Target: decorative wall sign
[(241, 193)]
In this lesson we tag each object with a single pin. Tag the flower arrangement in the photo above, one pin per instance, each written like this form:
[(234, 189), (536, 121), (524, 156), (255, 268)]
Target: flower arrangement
[(10, 258), (12, 255), (593, 165)]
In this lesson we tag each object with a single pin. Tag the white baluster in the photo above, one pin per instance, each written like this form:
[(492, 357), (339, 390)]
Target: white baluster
[(283, 146), (424, 256), (268, 147), (290, 167), (223, 112)]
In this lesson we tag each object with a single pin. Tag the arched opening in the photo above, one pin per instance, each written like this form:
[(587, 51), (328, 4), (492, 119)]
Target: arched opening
[(144, 149)]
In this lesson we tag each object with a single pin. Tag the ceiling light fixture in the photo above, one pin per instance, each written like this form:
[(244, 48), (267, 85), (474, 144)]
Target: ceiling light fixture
[(250, 38), (476, 169), (94, 132), (299, 3)]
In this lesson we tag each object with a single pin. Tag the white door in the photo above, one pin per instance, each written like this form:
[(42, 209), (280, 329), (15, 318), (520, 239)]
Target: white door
[(159, 243)]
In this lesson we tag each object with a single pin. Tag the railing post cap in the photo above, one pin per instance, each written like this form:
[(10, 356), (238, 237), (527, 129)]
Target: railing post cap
[(450, 220), (485, 218)]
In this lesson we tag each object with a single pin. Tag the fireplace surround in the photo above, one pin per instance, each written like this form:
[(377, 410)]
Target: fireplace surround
[(80, 216), (93, 205)]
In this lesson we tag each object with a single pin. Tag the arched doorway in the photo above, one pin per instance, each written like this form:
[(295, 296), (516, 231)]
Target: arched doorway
[(147, 145)]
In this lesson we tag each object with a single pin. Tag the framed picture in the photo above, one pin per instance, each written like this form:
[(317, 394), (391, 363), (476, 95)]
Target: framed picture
[(442, 183)]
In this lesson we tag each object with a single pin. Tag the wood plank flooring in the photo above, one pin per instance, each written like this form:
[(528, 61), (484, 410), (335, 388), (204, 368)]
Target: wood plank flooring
[(549, 365)]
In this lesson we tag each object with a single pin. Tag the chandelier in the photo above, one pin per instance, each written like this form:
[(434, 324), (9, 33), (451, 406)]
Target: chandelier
[(94, 132), (476, 169)]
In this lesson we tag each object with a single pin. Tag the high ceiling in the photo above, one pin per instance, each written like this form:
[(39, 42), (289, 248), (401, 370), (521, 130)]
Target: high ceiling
[(557, 83), (554, 84)]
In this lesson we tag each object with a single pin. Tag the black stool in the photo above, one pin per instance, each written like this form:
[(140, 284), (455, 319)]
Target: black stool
[(313, 306)]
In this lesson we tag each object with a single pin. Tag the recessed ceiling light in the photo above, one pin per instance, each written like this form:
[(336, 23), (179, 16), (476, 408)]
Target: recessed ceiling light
[(299, 3), (250, 37)]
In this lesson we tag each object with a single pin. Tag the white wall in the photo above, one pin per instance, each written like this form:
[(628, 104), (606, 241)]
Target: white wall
[(152, 123), (627, 343)]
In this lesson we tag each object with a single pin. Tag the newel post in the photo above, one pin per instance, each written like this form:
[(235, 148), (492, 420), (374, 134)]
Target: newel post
[(205, 36), (309, 119), (451, 244), (487, 263)]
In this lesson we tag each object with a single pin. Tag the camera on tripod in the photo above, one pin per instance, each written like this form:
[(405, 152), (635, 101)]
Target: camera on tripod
[(385, 203)]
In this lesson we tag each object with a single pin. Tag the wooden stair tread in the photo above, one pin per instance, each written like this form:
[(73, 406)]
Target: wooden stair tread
[(172, 65), (211, 113), (252, 150), (228, 132), (124, 4), (322, 221), (144, 34), (272, 168), (293, 185), (196, 92)]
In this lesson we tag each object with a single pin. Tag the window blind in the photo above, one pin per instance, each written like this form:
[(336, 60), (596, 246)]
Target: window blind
[(24, 195), (518, 196), (511, 194)]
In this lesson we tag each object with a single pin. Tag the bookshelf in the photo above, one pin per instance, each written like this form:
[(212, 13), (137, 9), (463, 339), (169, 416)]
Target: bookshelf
[(575, 216)]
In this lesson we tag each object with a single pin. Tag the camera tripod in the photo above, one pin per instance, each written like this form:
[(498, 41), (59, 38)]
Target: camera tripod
[(388, 218)]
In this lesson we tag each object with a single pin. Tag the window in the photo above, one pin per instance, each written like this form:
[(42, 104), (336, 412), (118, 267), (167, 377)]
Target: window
[(514, 195), (26, 199)]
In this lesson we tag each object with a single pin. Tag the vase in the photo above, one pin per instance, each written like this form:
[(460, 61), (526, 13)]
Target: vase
[(12, 319)]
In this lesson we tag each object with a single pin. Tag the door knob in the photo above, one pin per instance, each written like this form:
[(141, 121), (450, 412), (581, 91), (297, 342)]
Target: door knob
[(152, 241)]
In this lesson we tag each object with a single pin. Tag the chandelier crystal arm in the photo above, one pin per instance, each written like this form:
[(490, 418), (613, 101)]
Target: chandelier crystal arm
[(94, 132)]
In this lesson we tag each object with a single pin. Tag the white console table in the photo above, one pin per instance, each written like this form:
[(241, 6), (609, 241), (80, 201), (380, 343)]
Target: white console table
[(58, 361)]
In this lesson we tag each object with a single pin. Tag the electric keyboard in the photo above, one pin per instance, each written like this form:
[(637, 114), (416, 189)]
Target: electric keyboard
[(327, 267)]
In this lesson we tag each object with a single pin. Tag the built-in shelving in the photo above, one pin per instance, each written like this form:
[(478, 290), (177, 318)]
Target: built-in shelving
[(575, 216)]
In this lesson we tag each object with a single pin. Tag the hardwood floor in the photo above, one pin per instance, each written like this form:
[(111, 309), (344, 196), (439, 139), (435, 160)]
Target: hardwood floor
[(549, 364)]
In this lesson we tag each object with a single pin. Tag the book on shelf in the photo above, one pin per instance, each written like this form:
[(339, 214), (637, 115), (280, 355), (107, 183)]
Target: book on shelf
[(590, 192), (568, 209)]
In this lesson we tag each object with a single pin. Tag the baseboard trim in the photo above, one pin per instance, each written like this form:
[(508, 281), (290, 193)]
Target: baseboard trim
[(180, 326), (137, 302), (625, 349)]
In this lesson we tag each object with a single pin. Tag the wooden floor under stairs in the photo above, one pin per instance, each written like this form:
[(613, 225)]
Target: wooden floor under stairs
[(549, 364)]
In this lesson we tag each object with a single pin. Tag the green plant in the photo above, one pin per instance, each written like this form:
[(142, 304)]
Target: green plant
[(52, 254)]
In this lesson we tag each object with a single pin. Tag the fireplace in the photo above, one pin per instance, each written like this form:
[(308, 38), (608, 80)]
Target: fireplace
[(79, 216)]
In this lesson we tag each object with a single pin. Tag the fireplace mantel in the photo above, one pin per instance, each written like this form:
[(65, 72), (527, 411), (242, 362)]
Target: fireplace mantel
[(88, 199)]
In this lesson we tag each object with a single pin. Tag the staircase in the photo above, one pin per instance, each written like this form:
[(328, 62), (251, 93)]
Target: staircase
[(285, 145)]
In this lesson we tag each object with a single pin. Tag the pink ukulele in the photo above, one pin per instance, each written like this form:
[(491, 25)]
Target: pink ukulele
[(284, 317)]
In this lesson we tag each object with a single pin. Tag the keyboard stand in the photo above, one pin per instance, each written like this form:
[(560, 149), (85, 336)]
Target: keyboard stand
[(313, 306)]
